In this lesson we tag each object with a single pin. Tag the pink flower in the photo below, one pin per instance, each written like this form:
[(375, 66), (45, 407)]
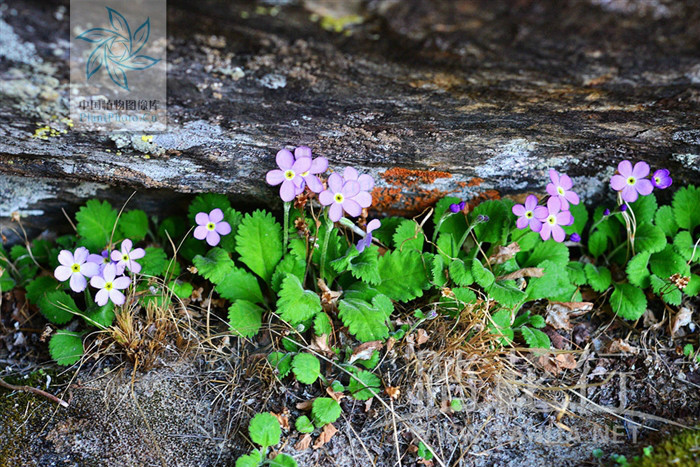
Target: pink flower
[(560, 188), (553, 220), (367, 240), (630, 181), (74, 266), (211, 226), (124, 259), (109, 286), (318, 166), (339, 196), (100, 260), (289, 174), (364, 198), (530, 214)]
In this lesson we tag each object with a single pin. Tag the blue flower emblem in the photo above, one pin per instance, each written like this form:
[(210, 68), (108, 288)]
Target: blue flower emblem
[(118, 49)]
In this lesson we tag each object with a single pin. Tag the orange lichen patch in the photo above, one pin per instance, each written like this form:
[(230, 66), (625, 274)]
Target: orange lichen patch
[(476, 181), (484, 196), (399, 176), (394, 202)]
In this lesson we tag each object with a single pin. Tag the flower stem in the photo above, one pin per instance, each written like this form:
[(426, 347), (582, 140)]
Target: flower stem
[(324, 249), (287, 207)]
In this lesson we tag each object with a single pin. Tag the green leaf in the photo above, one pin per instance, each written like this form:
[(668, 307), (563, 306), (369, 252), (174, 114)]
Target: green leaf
[(598, 277), (535, 338), (649, 238), (464, 295), (367, 386), (685, 207), (597, 243), (506, 293), (367, 322), (363, 266), (66, 347), (95, 222), (550, 250), (336, 249), (494, 229), (637, 270), (282, 460), (667, 263), (408, 235), (577, 275), (304, 425), (580, 214), (102, 315), (282, 362), (537, 321), (501, 326), (265, 430), (58, 307), (171, 228), (306, 368), (133, 225), (628, 301), (154, 263), (482, 276), (666, 221), (234, 218), (325, 410), (454, 224), (693, 287), (245, 318), (290, 264), (553, 283), (525, 238), (437, 269), (240, 284), (322, 325), (215, 266), (206, 203), (23, 263), (685, 246), (385, 233), (460, 273), (446, 247), (295, 304), (254, 459), (403, 275), (259, 243), (40, 286), (666, 290), (180, 288), (644, 208), (610, 225)]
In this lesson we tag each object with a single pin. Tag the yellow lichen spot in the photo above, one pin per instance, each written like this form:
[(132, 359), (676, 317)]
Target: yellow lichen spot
[(146, 156), (108, 150), (147, 138), (119, 153), (338, 25)]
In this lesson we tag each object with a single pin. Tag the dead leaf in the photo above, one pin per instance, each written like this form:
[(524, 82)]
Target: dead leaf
[(422, 336), (622, 346), (306, 405), (649, 319), (304, 443), (559, 313), (392, 392), (283, 419), (336, 396), (329, 297), (555, 365), (504, 253), (364, 351), (320, 344), (520, 273), (390, 344), (682, 318), (446, 407), (428, 463), (328, 431), (368, 404)]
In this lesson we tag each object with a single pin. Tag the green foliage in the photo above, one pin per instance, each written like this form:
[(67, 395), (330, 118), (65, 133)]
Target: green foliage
[(57, 306), (66, 347), (649, 238), (628, 301), (239, 284), (290, 264), (408, 236), (499, 220), (100, 316), (154, 263), (265, 430), (281, 362), (403, 275), (481, 275), (424, 451), (295, 304), (325, 410), (206, 203), (304, 425), (366, 321), (638, 271), (599, 278), (282, 460), (133, 225), (535, 338), (306, 368), (215, 266), (259, 243), (245, 318), (685, 207), (95, 224), (363, 266), (364, 385)]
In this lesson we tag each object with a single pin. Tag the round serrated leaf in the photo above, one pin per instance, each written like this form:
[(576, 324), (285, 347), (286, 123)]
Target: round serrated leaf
[(665, 220), (628, 301), (265, 429), (304, 425), (637, 270), (667, 263), (282, 460), (482, 276), (306, 368), (66, 347), (367, 386), (245, 318), (649, 238), (325, 410)]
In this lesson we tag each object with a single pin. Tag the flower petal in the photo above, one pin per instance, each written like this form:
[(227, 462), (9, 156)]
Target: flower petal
[(97, 282), (535, 225), (625, 168), (540, 212), (335, 183), (519, 210), (554, 177), (553, 205), (618, 182), (102, 297), (531, 202), (97, 259), (117, 297), (109, 272), (302, 151), (552, 190), (65, 258), (366, 182), (565, 218), (216, 215), (202, 218), (127, 245), (81, 255), (629, 194), (273, 177), (351, 188), (138, 253), (641, 170), (572, 197), (564, 204), (350, 173), (133, 266), (121, 282), (558, 234), (522, 222), (374, 224), (364, 199), (644, 186), (284, 159), (223, 228), (62, 273), (352, 207), (314, 183), (335, 212), (325, 197), (565, 182), (77, 282), (546, 231), (213, 238), (89, 269), (288, 191), (302, 165), (319, 165), (200, 233)]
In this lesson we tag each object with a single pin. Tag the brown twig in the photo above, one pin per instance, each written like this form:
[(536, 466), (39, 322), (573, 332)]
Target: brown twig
[(36, 391)]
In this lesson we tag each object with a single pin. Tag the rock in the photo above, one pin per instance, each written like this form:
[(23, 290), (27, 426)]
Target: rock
[(474, 98)]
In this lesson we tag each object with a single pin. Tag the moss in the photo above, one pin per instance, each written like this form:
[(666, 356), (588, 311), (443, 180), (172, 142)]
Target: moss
[(681, 450)]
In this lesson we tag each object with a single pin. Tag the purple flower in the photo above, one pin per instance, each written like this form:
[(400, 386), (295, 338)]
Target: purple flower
[(124, 259), (575, 237), (606, 212), (101, 260), (74, 266), (630, 181), (211, 226), (623, 208), (530, 214), (110, 286), (554, 219), (367, 241), (481, 218), (661, 179), (318, 166), (340, 196), (364, 198), (560, 188), (289, 174), (457, 207)]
